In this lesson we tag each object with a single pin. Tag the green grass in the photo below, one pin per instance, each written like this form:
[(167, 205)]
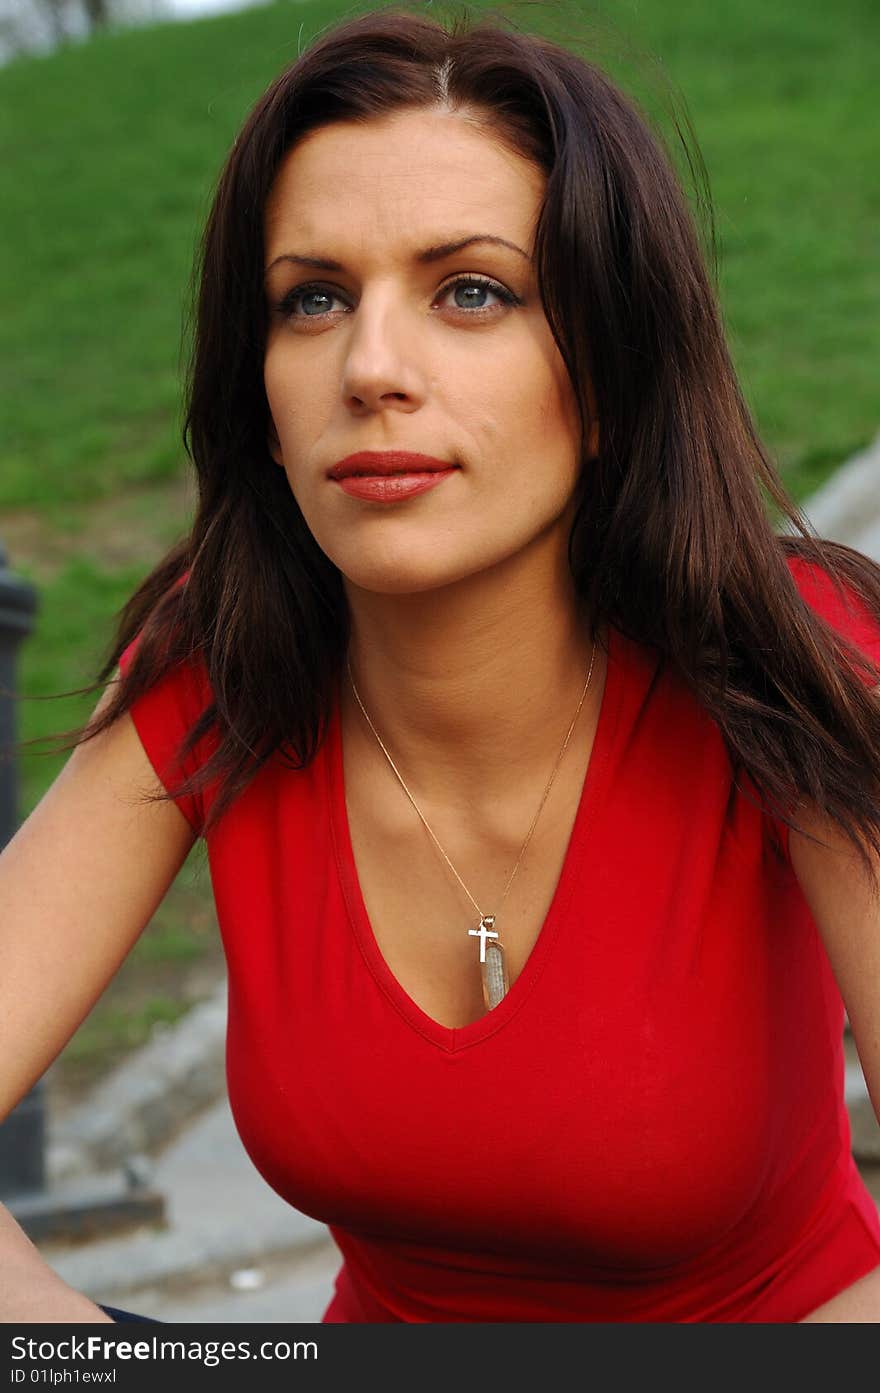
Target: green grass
[(781, 98), (108, 154)]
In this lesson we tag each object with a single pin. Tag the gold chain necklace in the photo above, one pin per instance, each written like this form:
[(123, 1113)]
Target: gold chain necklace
[(493, 968)]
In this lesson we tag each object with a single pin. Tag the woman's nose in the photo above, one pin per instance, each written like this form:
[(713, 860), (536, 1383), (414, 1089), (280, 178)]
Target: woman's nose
[(383, 361)]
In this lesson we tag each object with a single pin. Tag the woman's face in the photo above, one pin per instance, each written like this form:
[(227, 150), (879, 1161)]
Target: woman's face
[(449, 357)]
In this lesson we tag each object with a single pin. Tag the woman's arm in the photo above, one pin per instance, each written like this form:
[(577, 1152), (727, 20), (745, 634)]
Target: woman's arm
[(846, 910), (858, 1303), (29, 1290), (78, 882)]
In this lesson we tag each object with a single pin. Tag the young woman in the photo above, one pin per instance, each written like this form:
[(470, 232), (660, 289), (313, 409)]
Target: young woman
[(539, 775)]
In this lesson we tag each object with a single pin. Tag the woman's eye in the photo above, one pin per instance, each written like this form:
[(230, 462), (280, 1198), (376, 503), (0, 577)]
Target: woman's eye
[(469, 293), (313, 301)]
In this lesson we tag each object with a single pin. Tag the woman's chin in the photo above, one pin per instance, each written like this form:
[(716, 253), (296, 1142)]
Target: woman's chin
[(405, 576)]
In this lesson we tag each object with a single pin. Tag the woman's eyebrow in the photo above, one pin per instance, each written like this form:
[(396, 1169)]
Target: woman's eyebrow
[(422, 258)]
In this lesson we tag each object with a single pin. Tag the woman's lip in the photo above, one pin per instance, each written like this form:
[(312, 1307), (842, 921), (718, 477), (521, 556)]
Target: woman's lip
[(374, 462), (392, 488)]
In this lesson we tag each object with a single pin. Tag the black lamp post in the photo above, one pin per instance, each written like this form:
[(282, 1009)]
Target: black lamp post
[(22, 1135)]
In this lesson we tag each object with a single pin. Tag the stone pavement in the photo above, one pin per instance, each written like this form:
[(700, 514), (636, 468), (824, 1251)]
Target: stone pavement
[(232, 1249)]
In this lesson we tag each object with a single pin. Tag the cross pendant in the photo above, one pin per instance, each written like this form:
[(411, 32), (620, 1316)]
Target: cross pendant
[(483, 932)]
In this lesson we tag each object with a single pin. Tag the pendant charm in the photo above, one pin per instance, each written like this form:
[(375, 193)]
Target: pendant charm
[(493, 968), (486, 930), (494, 973)]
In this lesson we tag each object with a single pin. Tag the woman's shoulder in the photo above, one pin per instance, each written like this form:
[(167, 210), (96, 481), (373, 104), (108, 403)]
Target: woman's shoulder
[(185, 686), (165, 714)]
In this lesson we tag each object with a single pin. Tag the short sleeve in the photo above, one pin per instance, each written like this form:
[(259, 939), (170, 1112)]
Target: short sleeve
[(838, 604), (163, 717)]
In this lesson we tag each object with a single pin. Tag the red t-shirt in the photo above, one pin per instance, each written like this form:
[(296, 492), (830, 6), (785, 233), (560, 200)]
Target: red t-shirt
[(650, 1126)]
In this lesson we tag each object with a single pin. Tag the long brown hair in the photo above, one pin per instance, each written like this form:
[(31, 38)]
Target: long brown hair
[(672, 542)]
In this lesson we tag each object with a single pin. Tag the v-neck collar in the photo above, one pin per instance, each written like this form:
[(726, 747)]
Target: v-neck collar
[(455, 1038)]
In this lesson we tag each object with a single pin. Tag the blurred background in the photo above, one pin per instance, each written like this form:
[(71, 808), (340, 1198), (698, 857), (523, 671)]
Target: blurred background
[(115, 117), (42, 26)]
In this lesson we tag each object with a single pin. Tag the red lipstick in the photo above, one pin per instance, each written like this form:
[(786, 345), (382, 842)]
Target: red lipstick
[(389, 476)]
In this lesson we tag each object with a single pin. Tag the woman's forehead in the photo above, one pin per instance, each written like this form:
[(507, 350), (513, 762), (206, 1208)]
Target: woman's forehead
[(415, 180)]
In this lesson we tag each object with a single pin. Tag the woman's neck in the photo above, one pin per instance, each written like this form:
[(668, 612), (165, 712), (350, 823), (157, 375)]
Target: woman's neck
[(472, 688)]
